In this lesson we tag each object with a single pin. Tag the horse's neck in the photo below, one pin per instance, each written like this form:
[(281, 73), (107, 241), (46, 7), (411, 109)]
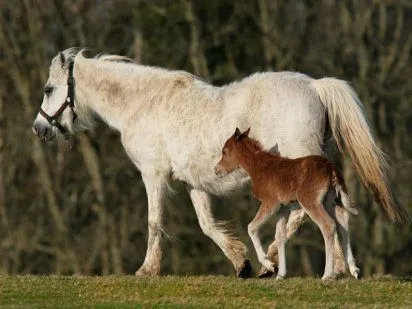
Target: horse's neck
[(112, 90)]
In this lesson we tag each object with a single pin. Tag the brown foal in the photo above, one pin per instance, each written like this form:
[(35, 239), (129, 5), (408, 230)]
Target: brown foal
[(276, 181)]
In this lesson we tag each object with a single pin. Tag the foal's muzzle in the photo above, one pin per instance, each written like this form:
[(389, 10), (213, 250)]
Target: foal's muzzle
[(219, 171)]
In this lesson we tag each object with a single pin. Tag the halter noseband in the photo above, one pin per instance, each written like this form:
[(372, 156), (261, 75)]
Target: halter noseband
[(69, 101)]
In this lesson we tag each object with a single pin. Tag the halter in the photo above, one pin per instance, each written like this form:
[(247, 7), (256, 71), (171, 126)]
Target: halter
[(69, 101)]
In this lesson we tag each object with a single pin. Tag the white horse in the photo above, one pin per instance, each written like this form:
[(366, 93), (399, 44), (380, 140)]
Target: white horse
[(165, 118)]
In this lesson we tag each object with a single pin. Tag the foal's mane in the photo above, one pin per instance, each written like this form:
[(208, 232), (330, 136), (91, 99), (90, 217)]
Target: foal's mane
[(253, 145)]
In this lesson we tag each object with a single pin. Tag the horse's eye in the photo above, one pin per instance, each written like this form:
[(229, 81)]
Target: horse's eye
[(224, 151), (48, 90)]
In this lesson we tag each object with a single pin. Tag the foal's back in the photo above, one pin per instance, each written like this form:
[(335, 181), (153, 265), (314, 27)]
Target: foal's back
[(286, 178)]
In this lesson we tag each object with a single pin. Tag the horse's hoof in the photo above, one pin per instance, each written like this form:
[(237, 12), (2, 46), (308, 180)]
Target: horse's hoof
[(328, 278), (245, 270), (357, 274), (265, 273), (145, 272)]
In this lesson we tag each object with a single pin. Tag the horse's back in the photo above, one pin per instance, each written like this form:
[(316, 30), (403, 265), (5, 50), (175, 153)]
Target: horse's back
[(283, 110)]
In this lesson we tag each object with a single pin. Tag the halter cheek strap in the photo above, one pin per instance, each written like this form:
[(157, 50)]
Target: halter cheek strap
[(68, 102)]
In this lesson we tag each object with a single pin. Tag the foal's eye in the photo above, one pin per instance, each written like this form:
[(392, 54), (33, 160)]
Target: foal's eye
[(48, 90), (224, 151)]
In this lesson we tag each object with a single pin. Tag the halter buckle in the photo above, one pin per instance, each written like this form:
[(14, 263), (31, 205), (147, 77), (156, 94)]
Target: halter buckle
[(70, 81)]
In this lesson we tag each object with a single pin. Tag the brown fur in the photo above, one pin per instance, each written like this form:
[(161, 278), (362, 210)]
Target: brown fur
[(277, 180)]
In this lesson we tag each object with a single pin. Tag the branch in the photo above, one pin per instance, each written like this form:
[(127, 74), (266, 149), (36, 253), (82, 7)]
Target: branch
[(196, 54)]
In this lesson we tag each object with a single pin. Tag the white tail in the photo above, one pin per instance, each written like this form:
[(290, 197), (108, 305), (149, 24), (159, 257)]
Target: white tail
[(349, 125)]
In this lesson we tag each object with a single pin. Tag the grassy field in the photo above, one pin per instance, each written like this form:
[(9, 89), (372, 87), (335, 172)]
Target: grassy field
[(201, 292)]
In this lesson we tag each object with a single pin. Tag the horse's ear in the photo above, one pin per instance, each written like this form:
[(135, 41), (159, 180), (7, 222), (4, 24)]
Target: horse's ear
[(62, 59), (237, 132), (246, 133)]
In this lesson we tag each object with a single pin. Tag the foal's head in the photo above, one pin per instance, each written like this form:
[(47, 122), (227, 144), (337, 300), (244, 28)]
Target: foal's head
[(229, 161)]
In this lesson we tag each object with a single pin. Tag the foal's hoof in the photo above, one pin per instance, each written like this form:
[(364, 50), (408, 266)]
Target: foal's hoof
[(266, 273), (245, 270)]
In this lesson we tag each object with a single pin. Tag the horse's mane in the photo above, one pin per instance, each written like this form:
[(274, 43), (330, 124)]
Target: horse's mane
[(115, 58), (72, 52)]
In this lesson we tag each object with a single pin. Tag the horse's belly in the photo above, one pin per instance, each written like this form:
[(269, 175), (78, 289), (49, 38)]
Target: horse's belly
[(200, 175), (287, 117)]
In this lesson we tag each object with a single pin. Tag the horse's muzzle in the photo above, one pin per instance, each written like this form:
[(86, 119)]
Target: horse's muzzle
[(43, 131)]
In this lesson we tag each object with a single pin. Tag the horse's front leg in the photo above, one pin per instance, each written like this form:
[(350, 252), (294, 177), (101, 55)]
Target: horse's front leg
[(233, 248), (155, 187)]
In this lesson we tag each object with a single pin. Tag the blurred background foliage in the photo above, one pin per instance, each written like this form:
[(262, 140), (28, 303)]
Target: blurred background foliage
[(84, 211)]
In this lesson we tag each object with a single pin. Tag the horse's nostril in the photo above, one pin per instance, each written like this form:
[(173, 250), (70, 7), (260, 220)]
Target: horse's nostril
[(35, 129), (40, 130)]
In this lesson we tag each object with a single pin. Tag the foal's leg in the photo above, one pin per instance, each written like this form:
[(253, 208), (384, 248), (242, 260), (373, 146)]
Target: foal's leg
[(342, 216), (327, 226), (264, 212), (297, 216), (155, 192), (234, 250)]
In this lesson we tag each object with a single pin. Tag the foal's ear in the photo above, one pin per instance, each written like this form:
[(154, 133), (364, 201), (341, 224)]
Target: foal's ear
[(246, 133), (243, 135), (62, 59), (237, 132)]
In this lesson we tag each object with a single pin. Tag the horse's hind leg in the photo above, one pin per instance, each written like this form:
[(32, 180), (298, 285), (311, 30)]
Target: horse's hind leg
[(342, 216), (340, 261), (281, 243), (266, 209), (327, 226), (234, 250)]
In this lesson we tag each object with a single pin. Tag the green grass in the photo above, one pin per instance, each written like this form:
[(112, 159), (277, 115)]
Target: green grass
[(201, 292)]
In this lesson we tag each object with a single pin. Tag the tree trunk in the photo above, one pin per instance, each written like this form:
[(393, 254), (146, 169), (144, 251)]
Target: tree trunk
[(3, 212), (196, 53), (91, 160)]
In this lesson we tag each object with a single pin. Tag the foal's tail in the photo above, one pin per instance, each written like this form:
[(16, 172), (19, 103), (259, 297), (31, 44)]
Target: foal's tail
[(338, 183), (350, 128)]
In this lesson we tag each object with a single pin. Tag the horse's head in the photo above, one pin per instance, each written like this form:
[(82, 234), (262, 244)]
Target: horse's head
[(56, 113), (229, 161)]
